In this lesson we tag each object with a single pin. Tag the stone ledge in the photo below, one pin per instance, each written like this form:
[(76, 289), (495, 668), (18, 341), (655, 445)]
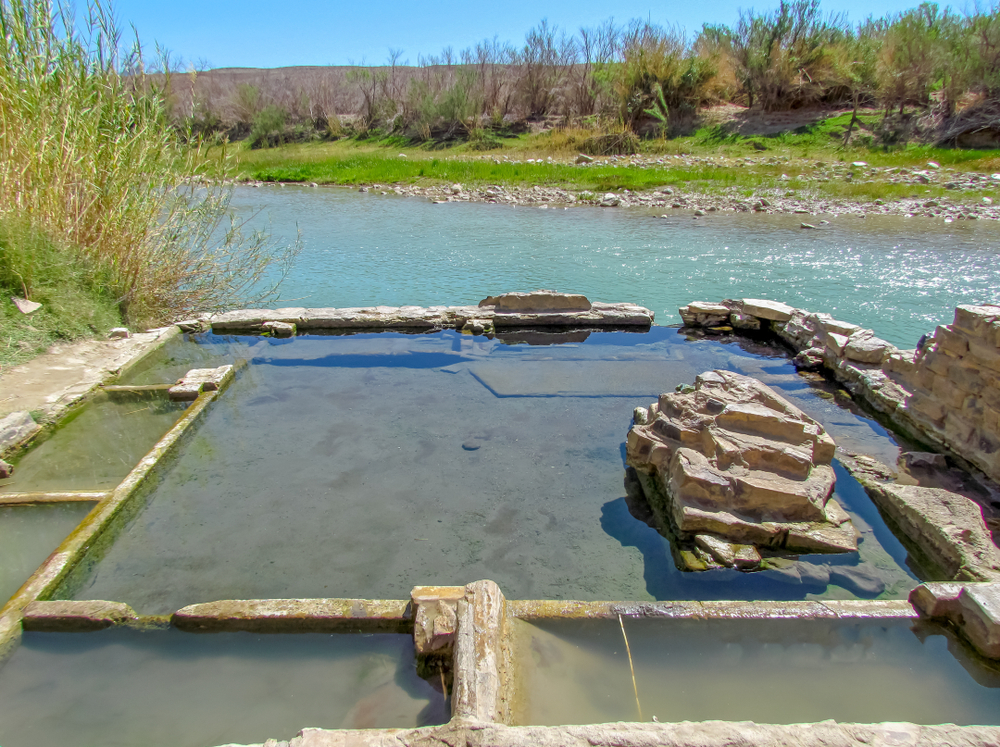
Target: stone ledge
[(76, 616), (683, 734), (527, 310), (711, 610), (296, 616)]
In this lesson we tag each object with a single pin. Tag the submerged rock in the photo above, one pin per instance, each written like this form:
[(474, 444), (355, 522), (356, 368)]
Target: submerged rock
[(732, 469)]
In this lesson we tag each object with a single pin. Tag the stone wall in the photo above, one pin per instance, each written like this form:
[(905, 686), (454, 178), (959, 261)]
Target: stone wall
[(953, 381), (946, 392)]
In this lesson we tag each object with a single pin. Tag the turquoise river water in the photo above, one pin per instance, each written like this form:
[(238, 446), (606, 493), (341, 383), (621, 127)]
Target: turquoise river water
[(898, 276)]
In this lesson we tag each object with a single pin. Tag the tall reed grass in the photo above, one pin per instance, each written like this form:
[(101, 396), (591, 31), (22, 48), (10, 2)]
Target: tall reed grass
[(89, 159)]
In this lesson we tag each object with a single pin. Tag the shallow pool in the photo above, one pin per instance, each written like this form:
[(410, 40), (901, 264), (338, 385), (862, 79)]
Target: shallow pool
[(28, 535), (363, 465), (165, 688), (768, 671), (97, 445)]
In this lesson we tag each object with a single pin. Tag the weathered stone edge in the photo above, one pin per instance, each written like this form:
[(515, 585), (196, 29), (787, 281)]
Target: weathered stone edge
[(420, 318), (297, 616), (14, 499), (681, 734), (712, 610), (73, 549)]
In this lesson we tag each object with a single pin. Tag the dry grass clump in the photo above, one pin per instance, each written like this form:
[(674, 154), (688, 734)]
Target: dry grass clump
[(91, 161)]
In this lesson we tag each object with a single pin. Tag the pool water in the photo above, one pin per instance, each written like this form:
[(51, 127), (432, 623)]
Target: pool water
[(165, 688), (98, 445), (362, 465), (28, 534), (767, 671)]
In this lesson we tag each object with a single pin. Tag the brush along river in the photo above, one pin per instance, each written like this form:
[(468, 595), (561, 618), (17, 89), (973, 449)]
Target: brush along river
[(898, 276)]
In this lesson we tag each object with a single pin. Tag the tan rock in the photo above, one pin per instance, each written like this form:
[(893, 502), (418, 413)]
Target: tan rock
[(947, 527), (199, 380), (540, 300), (771, 310), (735, 462), (867, 349), (72, 616)]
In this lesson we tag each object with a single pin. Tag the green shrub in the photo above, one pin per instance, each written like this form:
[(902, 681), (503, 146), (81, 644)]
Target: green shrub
[(91, 161)]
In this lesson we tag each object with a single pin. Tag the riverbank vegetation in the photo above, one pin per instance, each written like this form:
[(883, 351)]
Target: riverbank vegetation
[(926, 75), (100, 221)]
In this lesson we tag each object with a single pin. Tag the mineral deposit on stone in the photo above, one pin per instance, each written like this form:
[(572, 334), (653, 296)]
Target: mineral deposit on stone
[(733, 470)]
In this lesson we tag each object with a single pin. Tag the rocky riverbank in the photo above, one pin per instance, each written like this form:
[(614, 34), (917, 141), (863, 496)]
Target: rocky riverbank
[(797, 192)]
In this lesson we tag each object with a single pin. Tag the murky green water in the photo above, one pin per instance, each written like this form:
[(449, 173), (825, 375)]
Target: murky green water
[(899, 276), (773, 671), (125, 688), (361, 466), (28, 535), (98, 445)]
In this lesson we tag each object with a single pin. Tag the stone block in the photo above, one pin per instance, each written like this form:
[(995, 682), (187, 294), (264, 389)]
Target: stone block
[(980, 613), (948, 527), (952, 342), (538, 301), (76, 616), (937, 599), (435, 619), (118, 333), (947, 393), (986, 355), (976, 320), (900, 362), (744, 321), (279, 329), (829, 324), (482, 685), (928, 406), (835, 342), (958, 432), (966, 377), (199, 380), (939, 361), (771, 310), (867, 349)]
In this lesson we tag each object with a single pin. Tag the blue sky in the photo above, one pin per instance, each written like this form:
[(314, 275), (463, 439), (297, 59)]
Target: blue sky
[(255, 33)]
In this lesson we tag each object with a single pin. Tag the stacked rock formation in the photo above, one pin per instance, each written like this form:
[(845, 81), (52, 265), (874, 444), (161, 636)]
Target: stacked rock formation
[(731, 470)]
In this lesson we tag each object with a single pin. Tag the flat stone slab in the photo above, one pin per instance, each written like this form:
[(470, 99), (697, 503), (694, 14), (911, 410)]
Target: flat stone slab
[(684, 734), (296, 615), (199, 380), (74, 616), (68, 373), (571, 313)]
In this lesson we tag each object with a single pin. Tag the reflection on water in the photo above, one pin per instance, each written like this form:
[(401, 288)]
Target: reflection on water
[(770, 671), (363, 465), (899, 276), (165, 688), (97, 446), (28, 534)]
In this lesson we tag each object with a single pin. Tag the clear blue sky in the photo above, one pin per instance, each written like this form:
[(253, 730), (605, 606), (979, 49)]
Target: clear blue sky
[(255, 33)]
